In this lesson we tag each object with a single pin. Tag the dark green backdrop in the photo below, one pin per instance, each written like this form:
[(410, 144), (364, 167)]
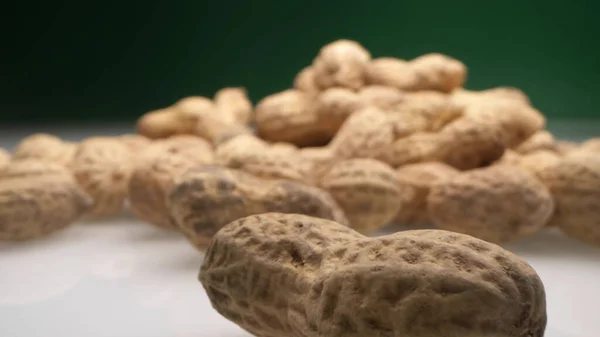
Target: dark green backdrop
[(73, 60)]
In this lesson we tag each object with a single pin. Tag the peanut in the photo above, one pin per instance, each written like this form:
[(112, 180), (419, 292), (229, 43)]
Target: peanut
[(419, 178), (289, 116), (364, 135), (45, 147), (592, 145), (427, 72), (134, 143), (155, 172), (497, 204), (541, 140), (289, 275), (333, 106), (518, 121), (206, 198), (424, 111), (102, 167), (382, 97), (38, 198), (574, 182), (234, 102), (564, 147), (163, 123), (341, 63), (534, 162), (366, 190), (305, 81), (465, 97)]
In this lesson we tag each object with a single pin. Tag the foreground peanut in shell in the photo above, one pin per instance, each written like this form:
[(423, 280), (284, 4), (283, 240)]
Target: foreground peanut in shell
[(288, 275)]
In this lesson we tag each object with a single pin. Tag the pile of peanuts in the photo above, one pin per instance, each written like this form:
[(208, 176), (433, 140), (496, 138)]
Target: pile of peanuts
[(363, 141), (355, 145)]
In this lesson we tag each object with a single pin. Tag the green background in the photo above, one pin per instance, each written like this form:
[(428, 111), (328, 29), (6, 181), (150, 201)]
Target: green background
[(80, 61)]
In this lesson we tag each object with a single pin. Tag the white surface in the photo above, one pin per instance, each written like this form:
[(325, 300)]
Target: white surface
[(125, 278)]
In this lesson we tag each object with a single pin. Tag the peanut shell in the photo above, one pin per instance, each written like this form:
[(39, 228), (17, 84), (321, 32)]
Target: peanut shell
[(45, 147), (574, 183), (496, 204), (419, 178), (289, 275), (341, 63), (206, 198), (234, 102), (367, 191), (38, 198)]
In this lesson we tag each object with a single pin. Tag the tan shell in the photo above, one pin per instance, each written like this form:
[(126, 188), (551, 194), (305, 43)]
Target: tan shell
[(305, 81), (419, 178), (206, 198), (390, 72), (289, 116), (541, 140), (416, 148), (155, 173), (438, 72), (592, 145), (236, 149), (341, 63), (163, 123), (333, 106), (564, 147), (471, 143), (195, 148), (465, 97), (289, 275), (38, 198), (364, 135), (496, 204), (5, 158), (45, 147), (234, 102), (135, 143), (367, 191), (518, 121), (102, 167), (575, 185), (383, 97), (538, 161)]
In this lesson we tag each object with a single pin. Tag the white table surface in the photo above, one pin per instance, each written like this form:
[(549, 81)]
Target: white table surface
[(125, 278)]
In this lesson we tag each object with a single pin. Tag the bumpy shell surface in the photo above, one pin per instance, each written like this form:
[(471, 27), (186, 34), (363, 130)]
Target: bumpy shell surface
[(305, 81), (518, 121), (363, 135), (424, 111), (286, 275), (289, 116), (575, 185), (102, 167), (38, 198), (419, 178), (155, 172), (592, 145), (275, 163), (383, 97), (235, 102), (438, 72), (162, 123), (496, 204), (564, 147), (206, 198), (416, 148), (341, 63), (471, 143), (333, 106), (390, 72), (367, 191), (45, 147), (536, 162), (541, 140), (467, 97), (135, 143)]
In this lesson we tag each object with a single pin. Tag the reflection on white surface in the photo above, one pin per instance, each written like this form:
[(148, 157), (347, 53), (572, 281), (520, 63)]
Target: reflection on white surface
[(126, 278)]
